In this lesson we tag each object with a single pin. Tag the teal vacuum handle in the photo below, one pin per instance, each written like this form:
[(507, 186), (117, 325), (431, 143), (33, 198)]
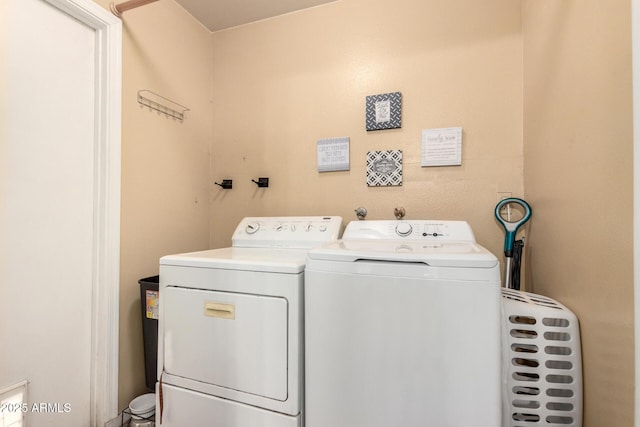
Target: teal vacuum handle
[(511, 227)]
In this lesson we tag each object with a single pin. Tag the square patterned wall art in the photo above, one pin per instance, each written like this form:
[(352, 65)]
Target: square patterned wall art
[(384, 168), (384, 111)]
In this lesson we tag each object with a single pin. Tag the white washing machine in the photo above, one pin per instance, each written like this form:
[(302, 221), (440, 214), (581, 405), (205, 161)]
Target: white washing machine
[(402, 328), (230, 346)]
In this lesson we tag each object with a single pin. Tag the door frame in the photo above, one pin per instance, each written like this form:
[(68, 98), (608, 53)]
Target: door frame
[(635, 70), (106, 232)]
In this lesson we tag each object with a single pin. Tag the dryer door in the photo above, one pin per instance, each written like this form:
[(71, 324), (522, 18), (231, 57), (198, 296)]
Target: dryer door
[(232, 340)]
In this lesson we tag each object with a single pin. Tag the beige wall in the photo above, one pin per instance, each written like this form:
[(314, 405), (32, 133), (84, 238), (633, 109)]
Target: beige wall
[(280, 85), (578, 177), (165, 163)]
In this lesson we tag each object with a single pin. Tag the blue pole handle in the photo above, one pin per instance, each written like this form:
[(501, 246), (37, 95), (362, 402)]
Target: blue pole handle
[(511, 227)]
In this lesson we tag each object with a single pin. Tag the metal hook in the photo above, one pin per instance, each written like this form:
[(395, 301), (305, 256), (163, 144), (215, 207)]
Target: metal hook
[(226, 184), (261, 182)]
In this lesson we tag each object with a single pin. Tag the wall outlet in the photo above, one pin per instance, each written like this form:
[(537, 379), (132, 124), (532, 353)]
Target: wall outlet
[(501, 195)]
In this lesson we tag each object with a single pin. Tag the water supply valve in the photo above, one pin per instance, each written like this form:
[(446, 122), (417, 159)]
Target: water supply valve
[(361, 213), (399, 212)]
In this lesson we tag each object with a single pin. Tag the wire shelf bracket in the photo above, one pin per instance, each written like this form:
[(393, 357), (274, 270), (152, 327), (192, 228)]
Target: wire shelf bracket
[(162, 105)]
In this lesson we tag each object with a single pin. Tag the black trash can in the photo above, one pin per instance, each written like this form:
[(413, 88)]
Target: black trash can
[(149, 298)]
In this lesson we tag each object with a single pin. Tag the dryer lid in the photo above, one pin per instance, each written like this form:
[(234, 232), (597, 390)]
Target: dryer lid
[(435, 254), (271, 260)]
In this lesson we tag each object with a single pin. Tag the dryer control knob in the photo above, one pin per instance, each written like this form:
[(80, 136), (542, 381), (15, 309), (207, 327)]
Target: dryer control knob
[(252, 227), (404, 229)]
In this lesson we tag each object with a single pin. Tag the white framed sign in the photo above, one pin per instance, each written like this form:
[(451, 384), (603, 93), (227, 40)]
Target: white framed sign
[(442, 147), (333, 154)]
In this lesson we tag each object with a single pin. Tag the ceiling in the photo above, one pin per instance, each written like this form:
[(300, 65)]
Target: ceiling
[(217, 15)]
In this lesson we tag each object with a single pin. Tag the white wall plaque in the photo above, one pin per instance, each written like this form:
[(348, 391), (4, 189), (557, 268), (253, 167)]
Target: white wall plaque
[(442, 147), (333, 154)]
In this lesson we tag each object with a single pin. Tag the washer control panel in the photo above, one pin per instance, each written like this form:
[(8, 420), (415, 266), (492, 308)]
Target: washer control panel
[(418, 230), (287, 232)]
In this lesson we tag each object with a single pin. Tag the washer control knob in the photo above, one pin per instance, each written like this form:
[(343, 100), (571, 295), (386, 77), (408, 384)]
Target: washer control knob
[(252, 227), (323, 228), (404, 229)]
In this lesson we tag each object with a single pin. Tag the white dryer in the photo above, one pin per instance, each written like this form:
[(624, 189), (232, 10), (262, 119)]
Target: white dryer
[(230, 329), (402, 328)]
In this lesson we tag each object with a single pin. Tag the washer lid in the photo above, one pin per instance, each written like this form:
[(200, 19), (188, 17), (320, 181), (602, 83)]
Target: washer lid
[(272, 260), (436, 254)]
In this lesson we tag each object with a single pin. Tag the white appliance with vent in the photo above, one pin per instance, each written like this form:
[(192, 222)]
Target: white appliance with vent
[(231, 326), (403, 328)]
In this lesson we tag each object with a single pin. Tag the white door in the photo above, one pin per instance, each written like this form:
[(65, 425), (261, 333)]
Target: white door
[(214, 337), (58, 156)]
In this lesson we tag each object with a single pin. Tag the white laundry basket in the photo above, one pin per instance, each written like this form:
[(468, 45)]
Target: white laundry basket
[(542, 362)]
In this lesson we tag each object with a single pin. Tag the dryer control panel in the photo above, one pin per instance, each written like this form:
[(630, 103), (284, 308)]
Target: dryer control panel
[(418, 230), (286, 232)]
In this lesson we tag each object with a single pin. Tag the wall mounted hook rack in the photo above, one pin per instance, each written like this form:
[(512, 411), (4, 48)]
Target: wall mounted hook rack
[(261, 182), (161, 104), (226, 184)]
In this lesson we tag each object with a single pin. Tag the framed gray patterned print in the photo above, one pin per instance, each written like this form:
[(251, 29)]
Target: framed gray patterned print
[(384, 111), (384, 168)]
